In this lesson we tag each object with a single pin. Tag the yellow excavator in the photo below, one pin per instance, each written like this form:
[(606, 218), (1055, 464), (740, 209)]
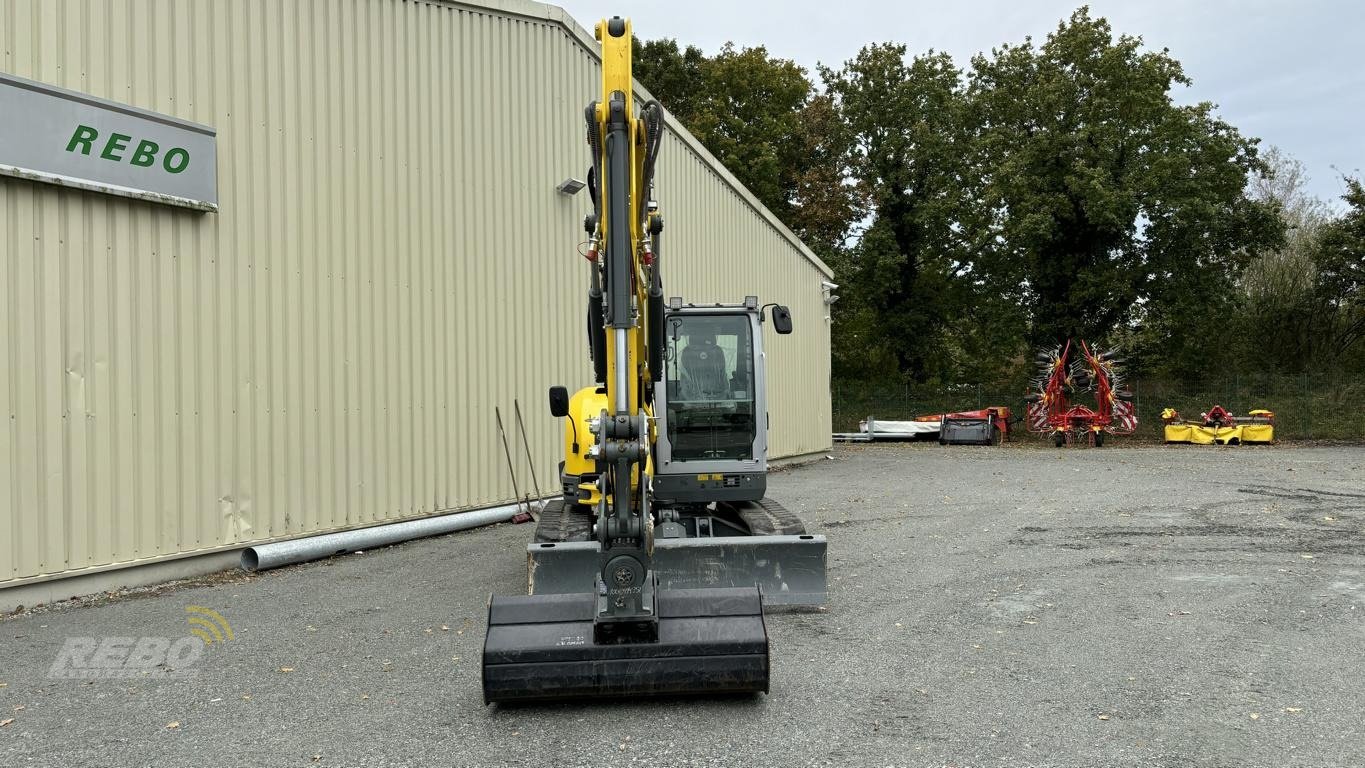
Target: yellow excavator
[(651, 574)]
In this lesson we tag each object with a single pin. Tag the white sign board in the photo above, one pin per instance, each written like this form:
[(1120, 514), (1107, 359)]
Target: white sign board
[(63, 137)]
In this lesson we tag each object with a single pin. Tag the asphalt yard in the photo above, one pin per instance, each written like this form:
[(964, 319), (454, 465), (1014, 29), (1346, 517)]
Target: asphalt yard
[(1011, 606)]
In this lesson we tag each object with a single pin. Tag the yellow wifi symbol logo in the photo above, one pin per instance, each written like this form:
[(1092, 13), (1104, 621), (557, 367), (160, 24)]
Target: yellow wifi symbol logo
[(208, 625)]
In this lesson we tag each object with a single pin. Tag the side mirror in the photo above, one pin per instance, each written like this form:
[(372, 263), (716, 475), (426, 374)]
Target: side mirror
[(559, 401), (782, 319)]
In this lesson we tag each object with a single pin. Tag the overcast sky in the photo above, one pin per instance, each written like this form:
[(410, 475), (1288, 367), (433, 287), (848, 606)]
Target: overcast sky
[(1290, 73)]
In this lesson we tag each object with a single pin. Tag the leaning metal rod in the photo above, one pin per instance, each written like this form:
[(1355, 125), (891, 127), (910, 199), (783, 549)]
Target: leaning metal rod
[(510, 469), (526, 445)]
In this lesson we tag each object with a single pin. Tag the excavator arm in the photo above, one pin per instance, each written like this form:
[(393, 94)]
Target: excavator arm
[(622, 143)]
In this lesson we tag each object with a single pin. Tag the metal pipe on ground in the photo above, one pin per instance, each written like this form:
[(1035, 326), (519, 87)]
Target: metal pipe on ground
[(273, 555)]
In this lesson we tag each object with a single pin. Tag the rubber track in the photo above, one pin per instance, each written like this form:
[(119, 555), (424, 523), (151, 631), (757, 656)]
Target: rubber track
[(767, 517), (559, 523)]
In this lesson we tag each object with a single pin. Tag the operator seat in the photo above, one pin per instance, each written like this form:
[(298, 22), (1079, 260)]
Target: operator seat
[(703, 369)]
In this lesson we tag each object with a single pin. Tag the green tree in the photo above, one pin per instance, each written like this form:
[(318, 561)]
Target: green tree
[(904, 119), (1108, 204), (1303, 304), (743, 105), (750, 119), (825, 202), (1339, 286), (1278, 297), (673, 75), (760, 117)]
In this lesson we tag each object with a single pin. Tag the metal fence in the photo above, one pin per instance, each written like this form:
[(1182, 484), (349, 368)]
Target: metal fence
[(1307, 407)]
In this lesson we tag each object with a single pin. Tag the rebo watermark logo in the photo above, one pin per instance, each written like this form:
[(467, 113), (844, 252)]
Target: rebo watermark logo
[(127, 657)]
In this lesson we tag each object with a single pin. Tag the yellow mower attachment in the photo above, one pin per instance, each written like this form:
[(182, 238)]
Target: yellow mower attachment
[(1218, 427)]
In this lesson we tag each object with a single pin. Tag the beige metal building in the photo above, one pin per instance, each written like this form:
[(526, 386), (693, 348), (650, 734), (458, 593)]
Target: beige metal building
[(389, 260)]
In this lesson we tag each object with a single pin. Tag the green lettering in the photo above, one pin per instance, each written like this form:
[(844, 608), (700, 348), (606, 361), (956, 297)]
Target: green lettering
[(117, 143), (83, 136), (145, 154), (170, 161)]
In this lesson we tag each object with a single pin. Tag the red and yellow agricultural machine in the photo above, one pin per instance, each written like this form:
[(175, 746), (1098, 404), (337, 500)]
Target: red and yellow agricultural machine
[(1062, 377), (1217, 426)]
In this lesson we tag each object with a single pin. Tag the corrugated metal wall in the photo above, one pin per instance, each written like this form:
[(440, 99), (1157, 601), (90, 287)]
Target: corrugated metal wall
[(390, 262)]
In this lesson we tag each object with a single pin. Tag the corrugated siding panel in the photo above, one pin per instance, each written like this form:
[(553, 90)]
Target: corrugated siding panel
[(390, 263)]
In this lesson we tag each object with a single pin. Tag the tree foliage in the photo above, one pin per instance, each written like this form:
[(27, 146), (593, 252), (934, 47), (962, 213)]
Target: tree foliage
[(1110, 203), (742, 104), (905, 123), (1338, 334), (825, 203), (1053, 189), (1278, 295), (673, 75)]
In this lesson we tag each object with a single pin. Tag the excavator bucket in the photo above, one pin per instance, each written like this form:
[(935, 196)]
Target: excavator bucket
[(541, 648)]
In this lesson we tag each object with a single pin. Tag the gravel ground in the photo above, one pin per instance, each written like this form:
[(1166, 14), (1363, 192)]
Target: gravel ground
[(988, 607)]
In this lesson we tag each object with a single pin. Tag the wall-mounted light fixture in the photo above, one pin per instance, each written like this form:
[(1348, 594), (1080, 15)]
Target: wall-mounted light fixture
[(829, 288), (570, 186)]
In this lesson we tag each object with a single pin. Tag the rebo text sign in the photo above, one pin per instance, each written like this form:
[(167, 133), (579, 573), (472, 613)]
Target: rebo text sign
[(63, 137)]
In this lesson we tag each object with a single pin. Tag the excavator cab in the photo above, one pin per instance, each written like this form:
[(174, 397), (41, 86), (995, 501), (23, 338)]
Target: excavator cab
[(709, 398), (712, 405)]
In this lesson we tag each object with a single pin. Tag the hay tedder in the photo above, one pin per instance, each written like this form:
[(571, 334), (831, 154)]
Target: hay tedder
[(1064, 374)]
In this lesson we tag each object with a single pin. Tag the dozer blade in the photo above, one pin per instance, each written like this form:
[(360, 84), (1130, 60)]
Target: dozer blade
[(540, 648), (790, 570)]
